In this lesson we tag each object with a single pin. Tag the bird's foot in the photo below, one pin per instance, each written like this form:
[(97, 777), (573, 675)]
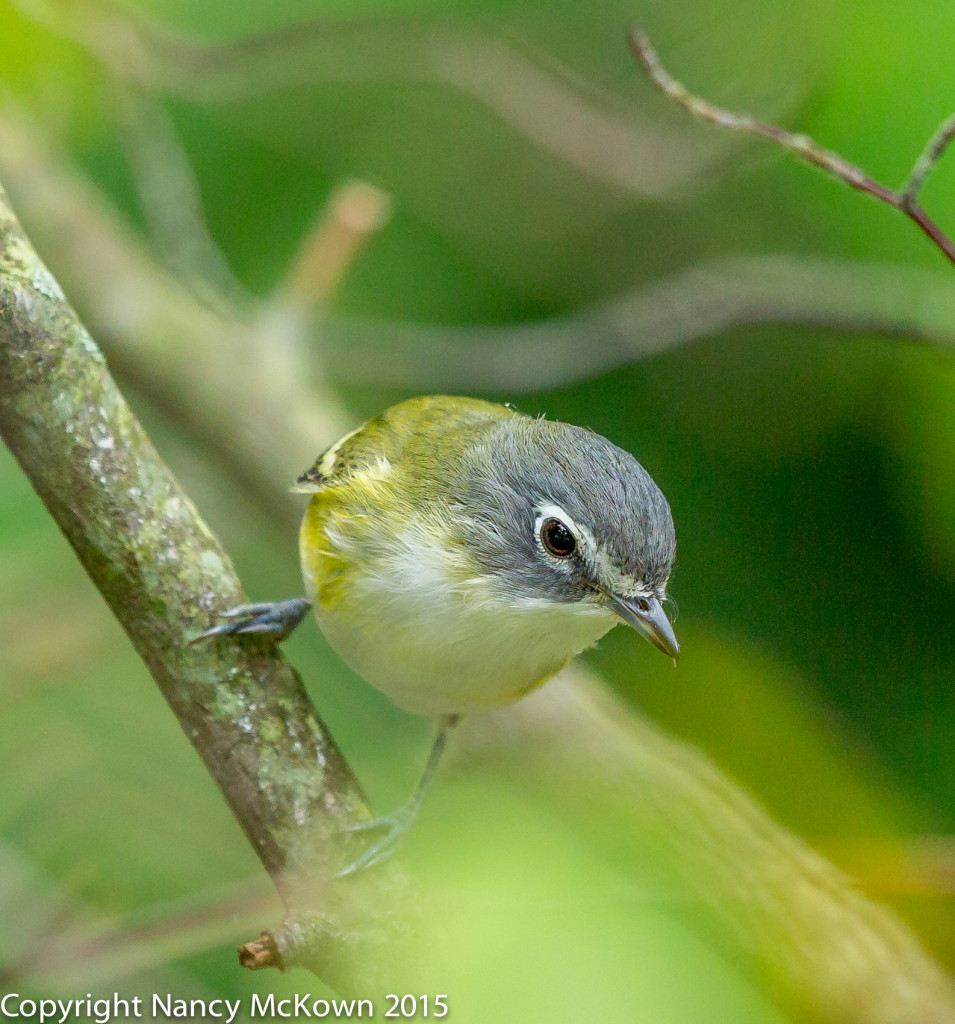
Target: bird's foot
[(270, 618), (392, 827)]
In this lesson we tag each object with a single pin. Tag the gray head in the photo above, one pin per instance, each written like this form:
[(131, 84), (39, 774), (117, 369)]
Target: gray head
[(569, 517)]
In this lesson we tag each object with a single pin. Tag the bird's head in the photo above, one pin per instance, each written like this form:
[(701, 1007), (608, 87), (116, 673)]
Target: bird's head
[(553, 512)]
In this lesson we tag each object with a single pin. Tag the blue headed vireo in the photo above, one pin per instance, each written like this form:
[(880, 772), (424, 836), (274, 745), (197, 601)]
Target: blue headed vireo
[(458, 553)]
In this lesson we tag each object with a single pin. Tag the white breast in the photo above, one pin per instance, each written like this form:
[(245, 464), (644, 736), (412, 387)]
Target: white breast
[(439, 642)]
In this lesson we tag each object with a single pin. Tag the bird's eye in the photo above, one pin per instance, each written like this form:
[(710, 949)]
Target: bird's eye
[(557, 538)]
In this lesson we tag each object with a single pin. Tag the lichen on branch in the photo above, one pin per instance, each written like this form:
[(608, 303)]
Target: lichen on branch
[(164, 575)]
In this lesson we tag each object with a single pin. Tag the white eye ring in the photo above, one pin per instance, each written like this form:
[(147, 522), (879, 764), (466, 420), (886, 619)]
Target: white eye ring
[(561, 547)]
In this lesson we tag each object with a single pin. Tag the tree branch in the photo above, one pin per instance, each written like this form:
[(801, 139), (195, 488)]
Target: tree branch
[(806, 148), (164, 575), (692, 304), (825, 949)]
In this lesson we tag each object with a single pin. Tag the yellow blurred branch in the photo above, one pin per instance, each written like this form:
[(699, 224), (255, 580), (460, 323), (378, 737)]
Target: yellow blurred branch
[(825, 948), (353, 215)]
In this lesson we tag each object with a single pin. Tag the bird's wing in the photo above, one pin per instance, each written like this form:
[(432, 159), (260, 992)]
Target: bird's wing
[(384, 439), (353, 451)]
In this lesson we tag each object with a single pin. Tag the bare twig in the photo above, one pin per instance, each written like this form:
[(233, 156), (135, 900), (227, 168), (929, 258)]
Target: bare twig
[(929, 158), (354, 213), (260, 953), (805, 147), (169, 197)]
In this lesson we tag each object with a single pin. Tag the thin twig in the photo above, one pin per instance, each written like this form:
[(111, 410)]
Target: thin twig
[(355, 212), (805, 147), (930, 156), (170, 198)]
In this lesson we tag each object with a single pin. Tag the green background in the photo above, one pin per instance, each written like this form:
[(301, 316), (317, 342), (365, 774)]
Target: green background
[(810, 472)]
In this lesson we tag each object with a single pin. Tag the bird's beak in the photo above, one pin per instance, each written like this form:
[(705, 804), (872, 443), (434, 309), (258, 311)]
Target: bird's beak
[(647, 616)]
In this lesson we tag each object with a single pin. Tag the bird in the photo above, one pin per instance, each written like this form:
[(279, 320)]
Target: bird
[(458, 553)]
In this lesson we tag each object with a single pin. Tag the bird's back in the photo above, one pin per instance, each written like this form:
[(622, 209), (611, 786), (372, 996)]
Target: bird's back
[(418, 431)]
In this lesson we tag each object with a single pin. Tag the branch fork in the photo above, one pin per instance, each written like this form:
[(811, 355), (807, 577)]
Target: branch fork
[(806, 148)]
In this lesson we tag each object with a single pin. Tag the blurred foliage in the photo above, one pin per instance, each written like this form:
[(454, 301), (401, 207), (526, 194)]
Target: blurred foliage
[(810, 475)]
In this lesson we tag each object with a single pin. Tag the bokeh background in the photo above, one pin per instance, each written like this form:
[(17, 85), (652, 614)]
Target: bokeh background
[(532, 175)]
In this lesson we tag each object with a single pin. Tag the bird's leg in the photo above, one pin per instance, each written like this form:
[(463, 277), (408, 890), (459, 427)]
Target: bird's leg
[(271, 618), (277, 619), (395, 825)]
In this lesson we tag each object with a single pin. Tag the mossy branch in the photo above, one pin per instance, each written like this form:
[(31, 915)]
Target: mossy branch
[(164, 575)]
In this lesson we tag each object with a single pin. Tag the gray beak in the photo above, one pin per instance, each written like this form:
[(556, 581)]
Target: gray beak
[(647, 616)]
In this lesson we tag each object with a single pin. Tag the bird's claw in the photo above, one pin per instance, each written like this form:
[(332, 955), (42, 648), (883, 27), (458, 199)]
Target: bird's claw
[(393, 826), (276, 619)]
